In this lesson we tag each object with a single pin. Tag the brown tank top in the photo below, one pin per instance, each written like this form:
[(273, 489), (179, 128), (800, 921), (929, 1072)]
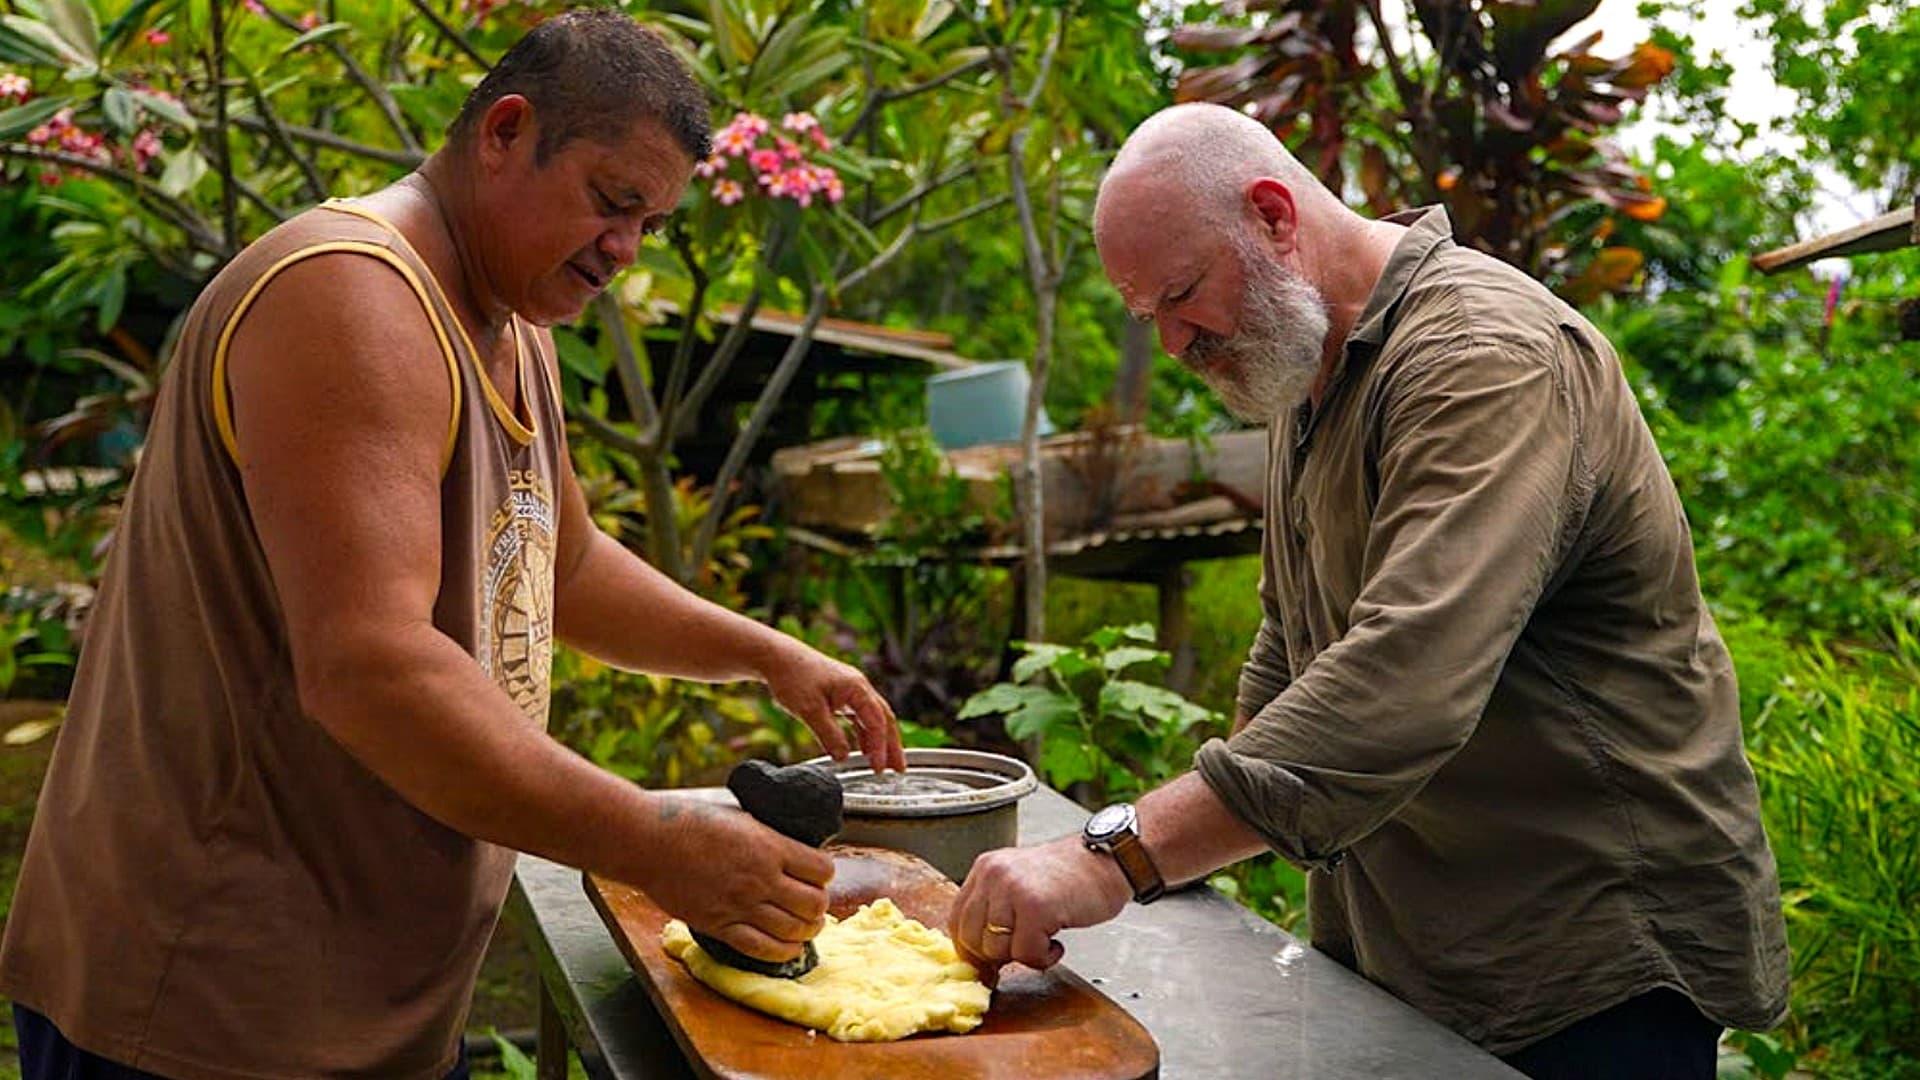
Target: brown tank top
[(213, 887)]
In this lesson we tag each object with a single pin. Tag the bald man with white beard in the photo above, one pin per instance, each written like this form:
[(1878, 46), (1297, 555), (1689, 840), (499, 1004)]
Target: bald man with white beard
[(1487, 709)]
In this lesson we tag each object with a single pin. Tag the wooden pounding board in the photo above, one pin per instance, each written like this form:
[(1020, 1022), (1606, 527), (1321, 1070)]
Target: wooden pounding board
[(1041, 1024)]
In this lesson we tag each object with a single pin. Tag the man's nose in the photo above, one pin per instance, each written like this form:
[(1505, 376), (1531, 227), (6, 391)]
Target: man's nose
[(1175, 333), (621, 244)]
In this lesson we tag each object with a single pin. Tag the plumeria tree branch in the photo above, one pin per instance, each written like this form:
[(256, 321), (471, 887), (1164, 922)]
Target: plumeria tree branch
[(199, 233), (316, 137), (763, 408), (381, 98), (222, 145), (919, 194), (881, 98), (663, 533), (452, 35), (277, 132)]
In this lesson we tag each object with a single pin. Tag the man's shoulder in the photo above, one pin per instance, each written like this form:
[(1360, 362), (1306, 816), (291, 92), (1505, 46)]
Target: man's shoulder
[(312, 231), (1466, 301)]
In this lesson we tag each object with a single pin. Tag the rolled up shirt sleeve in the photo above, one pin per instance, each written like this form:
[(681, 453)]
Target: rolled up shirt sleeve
[(1479, 463), (1265, 673)]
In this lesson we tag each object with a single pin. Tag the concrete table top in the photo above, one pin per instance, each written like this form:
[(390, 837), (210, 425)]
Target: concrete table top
[(1224, 992)]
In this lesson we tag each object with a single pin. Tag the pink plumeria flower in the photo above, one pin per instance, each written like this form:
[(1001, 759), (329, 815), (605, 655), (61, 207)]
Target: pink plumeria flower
[(790, 149), (254, 6), (834, 188), (40, 136), (712, 166), (14, 86), (819, 137), (764, 160), (799, 122), (728, 192), (146, 147), (158, 37), (733, 141), (310, 20), (753, 125)]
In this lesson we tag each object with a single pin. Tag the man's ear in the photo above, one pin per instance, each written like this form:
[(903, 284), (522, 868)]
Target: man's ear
[(1279, 218), (506, 125)]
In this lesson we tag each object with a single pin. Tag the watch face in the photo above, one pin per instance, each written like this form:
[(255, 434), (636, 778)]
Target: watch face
[(1109, 821)]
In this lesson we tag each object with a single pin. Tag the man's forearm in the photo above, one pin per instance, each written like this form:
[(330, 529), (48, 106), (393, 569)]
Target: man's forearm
[(415, 709), (619, 610), (1190, 833)]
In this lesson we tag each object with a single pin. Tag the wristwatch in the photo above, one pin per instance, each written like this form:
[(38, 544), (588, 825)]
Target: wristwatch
[(1115, 830)]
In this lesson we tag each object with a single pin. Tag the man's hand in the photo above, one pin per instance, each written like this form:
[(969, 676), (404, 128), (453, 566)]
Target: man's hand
[(1016, 899), (767, 897), (821, 691)]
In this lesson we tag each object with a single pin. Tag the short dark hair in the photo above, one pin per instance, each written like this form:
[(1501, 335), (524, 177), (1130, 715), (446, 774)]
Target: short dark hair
[(592, 73)]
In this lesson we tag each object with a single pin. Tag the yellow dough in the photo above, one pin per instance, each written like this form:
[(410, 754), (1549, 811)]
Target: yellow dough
[(881, 977)]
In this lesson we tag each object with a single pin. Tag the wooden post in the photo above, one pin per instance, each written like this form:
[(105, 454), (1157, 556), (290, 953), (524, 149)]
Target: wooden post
[(1176, 636), (550, 1055)]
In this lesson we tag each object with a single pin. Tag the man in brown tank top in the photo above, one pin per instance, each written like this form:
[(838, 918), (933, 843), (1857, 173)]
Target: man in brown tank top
[(307, 732)]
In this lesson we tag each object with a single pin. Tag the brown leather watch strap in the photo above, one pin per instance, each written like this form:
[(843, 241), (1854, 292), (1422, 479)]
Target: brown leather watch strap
[(1138, 867)]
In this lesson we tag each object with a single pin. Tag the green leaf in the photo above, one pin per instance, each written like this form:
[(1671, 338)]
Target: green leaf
[(165, 108), (42, 44), (1125, 697), (24, 118), (1066, 761), (796, 80), (119, 108), (318, 33), (1039, 656), (777, 52), (125, 22), (1109, 636), (1030, 710), (998, 698), (111, 296), (514, 1062), (1118, 660), (184, 169), (1042, 715), (432, 105), (77, 25), (579, 357)]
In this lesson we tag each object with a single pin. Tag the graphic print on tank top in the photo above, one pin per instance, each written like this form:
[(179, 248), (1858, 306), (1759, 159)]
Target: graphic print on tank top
[(516, 594)]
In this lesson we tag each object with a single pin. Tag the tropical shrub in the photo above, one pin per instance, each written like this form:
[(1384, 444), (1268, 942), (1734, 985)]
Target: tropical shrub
[(1837, 753), (1101, 735)]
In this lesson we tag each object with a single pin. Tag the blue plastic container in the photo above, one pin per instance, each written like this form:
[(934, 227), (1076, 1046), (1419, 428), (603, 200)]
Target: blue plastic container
[(981, 403)]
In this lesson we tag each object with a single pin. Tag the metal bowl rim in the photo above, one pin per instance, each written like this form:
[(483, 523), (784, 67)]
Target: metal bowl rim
[(1018, 782)]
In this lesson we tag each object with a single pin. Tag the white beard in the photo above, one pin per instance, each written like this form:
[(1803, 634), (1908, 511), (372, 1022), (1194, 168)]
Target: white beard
[(1270, 364)]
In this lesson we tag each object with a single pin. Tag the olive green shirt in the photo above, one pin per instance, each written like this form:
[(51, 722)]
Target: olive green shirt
[(1490, 712)]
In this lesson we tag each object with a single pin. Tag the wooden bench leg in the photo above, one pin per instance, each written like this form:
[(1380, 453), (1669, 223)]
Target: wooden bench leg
[(550, 1056)]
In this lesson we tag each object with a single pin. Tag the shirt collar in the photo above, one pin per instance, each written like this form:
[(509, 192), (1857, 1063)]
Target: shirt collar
[(1427, 228)]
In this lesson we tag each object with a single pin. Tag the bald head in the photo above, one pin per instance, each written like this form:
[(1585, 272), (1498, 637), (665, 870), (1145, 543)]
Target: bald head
[(1197, 160), (1197, 222)]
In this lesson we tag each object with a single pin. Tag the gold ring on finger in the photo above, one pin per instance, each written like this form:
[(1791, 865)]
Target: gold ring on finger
[(996, 928)]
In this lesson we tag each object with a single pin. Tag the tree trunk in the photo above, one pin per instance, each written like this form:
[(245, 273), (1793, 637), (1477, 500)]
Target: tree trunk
[(1136, 365)]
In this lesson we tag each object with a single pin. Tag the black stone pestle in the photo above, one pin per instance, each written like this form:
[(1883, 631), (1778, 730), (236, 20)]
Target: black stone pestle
[(801, 802)]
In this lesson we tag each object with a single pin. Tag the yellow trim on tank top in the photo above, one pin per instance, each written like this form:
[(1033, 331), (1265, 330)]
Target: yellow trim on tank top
[(222, 404), (522, 433)]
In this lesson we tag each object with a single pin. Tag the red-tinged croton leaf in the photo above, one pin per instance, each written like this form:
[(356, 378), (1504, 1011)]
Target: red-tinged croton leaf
[(1509, 135), (1611, 270)]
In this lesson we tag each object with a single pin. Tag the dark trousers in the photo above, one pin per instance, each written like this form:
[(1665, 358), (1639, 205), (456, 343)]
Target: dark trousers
[(1659, 1035), (45, 1054)]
